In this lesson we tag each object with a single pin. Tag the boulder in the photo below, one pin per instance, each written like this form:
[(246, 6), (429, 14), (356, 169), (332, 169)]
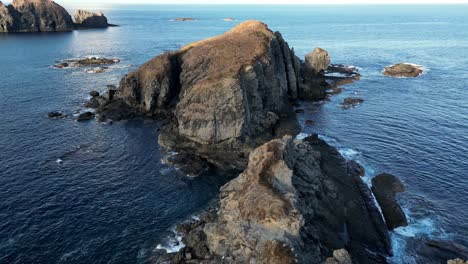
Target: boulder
[(85, 116), (385, 186), (340, 256), (87, 19), (94, 93), (294, 203), (457, 261), (317, 61), (37, 16), (403, 70)]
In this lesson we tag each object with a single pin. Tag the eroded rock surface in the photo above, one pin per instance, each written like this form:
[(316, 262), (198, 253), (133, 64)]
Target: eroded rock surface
[(295, 203)]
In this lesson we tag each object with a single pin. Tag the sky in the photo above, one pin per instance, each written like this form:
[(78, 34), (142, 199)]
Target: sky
[(75, 2)]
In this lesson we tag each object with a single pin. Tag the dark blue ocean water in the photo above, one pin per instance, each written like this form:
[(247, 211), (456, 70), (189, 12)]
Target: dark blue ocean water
[(112, 201)]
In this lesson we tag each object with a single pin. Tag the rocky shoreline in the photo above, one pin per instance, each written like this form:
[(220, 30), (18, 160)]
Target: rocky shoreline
[(226, 103), (46, 16)]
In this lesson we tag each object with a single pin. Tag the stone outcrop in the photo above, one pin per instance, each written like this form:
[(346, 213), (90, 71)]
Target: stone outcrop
[(349, 102), (314, 85), (223, 96), (295, 203), (385, 186), (403, 70), (44, 16), (34, 16), (87, 19)]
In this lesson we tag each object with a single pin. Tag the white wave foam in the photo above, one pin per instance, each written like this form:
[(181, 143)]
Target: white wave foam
[(301, 136), (172, 244), (59, 161), (349, 153)]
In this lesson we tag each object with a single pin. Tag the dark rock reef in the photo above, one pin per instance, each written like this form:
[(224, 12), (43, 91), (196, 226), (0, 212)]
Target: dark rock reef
[(226, 95), (85, 62), (385, 186), (295, 203), (403, 70), (349, 102), (40, 16)]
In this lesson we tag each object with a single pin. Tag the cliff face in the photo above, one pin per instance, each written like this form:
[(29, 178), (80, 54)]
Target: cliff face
[(38, 15), (295, 203), (224, 95)]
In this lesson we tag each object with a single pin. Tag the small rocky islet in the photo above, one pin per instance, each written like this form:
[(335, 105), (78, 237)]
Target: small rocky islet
[(46, 16), (403, 70)]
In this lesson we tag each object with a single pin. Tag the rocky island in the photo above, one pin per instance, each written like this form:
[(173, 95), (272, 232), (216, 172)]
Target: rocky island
[(226, 104), (45, 16)]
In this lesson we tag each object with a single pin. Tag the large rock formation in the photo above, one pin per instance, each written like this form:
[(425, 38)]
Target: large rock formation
[(224, 96), (43, 16), (87, 19), (314, 85), (295, 203), (36, 16)]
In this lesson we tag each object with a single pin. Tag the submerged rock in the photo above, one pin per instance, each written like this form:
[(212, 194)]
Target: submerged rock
[(295, 203), (349, 102), (56, 115), (182, 19), (385, 186), (87, 19), (229, 19), (403, 70)]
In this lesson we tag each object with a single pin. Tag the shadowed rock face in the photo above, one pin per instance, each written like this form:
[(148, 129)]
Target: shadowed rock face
[(224, 95), (86, 19), (38, 15), (295, 203)]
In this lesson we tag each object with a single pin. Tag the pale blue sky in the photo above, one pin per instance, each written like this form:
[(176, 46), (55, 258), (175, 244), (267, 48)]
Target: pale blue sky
[(78, 2)]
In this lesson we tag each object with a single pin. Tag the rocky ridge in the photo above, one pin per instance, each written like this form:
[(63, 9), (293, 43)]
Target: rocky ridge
[(295, 203)]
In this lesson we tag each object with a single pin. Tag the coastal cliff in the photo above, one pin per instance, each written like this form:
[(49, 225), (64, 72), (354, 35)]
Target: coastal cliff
[(43, 16), (222, 96), (296, 202)]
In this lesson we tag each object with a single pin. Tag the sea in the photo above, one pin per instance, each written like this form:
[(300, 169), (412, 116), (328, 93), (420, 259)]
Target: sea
[(91, 192)]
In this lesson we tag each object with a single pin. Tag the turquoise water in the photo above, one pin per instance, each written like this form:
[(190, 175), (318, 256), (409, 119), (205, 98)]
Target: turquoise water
[(113, 201)]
